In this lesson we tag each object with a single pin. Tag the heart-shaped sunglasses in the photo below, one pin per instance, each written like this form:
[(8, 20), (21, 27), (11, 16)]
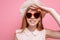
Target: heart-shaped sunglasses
[(36, 15)]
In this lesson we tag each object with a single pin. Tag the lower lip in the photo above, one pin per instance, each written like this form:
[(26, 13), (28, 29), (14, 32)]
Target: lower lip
[(32, 21)]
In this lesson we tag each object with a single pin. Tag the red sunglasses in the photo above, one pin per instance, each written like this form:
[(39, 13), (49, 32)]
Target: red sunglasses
[(36, 15)]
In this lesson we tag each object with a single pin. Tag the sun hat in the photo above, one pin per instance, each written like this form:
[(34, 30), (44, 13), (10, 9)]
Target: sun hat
[(28, 3)]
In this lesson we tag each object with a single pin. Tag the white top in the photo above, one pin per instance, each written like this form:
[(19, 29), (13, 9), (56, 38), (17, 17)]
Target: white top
[(28, 35)]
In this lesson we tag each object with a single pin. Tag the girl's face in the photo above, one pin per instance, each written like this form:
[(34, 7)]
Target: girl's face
[(32, 17)]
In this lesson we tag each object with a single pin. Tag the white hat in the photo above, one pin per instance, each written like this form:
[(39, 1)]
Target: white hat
[(28, 3)]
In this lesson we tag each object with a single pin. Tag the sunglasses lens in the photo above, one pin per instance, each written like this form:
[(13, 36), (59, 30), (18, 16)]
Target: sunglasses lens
[(36, 15), (28, 15)]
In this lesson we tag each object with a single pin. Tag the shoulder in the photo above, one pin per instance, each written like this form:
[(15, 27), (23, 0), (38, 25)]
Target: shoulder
[(18, 30), (43, 31)]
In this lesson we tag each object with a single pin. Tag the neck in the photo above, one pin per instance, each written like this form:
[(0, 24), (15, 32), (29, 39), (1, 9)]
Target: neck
[(31, 28)]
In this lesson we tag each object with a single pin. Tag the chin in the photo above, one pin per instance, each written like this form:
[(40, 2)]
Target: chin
[(32, 24)]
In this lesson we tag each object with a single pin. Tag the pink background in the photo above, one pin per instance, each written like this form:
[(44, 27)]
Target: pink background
[(10, 19)]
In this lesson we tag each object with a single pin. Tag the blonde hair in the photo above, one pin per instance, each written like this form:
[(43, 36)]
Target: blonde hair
[(25, 24)]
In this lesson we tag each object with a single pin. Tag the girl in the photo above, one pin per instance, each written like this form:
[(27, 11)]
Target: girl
[(32, 27)]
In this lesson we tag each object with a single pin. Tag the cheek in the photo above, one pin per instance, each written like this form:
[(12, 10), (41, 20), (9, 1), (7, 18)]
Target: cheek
[(28, 20), (38, 20)]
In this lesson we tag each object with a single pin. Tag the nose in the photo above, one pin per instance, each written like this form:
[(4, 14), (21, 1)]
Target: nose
[(32, 17)]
